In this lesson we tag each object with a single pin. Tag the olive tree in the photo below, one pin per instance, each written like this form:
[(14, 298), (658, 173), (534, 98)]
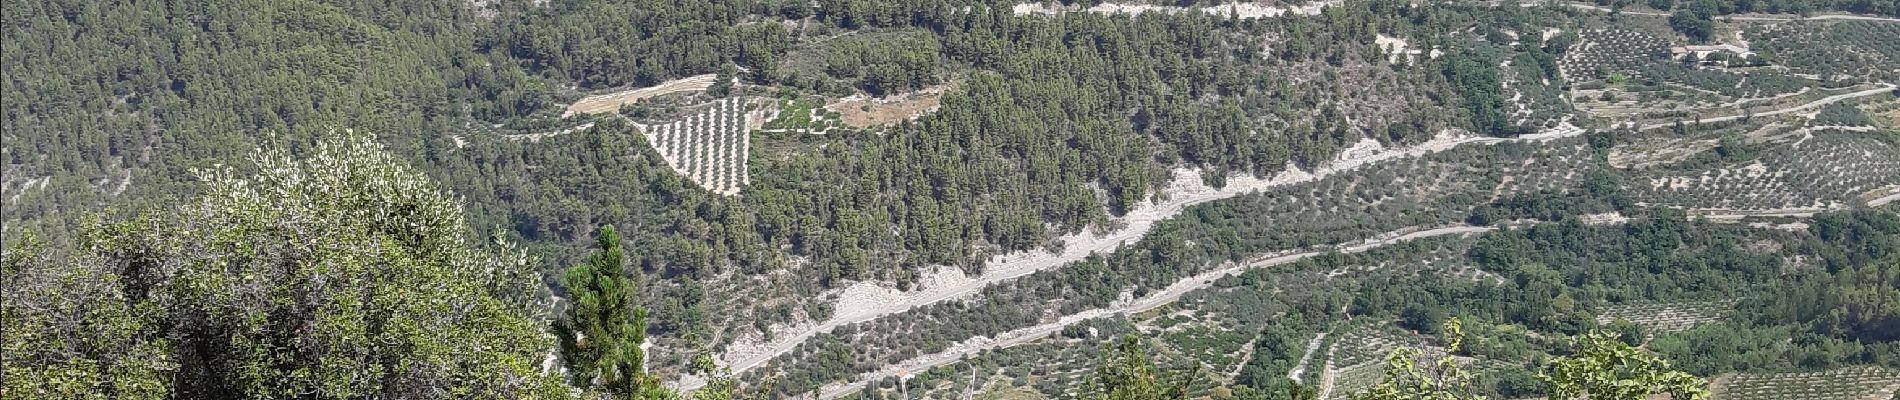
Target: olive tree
[(336, 274)]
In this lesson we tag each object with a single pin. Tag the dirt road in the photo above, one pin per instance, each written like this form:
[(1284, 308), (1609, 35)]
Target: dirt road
[(611, 102), (1185, 192), (1593, 7), (1172, 293), (1804, 107), (1881, 201), (1155, 300), (1311, 346)]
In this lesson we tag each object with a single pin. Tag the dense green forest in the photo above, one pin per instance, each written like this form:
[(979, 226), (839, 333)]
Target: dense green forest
[(170, 101), (250, 198), (1058, 124)]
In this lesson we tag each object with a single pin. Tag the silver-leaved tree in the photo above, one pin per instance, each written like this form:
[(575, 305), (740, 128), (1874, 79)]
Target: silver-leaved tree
[(338, 274)]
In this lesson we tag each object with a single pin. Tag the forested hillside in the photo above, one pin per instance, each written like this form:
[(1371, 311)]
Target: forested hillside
[(832, 198), (1047, 135)]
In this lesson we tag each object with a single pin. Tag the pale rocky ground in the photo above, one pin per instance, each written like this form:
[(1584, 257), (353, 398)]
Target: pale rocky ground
[(30, 184), (860, 110), (1609, 218), (1244, 10), (1311, 346), (869, 300), (1397, 50), (537, 136), (1665, 317), (1882, 196), (1154, 300), (606, 103)]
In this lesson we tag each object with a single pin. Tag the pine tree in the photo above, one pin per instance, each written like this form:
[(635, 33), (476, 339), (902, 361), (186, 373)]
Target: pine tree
[(601, 332)]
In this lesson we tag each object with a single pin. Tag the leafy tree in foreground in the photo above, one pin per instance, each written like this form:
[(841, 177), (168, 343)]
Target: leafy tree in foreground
[(1607, 368), (340, 275), (1603, 368), (1443, 380), (1127, 374), (601, 333)]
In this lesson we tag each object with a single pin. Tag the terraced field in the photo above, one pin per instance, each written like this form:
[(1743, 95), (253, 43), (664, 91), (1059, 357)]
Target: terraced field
[(709, 147), (1369, 343), (1611, 50), (1659, 151), (1351, 363), (1394, 204), (1883, 112), (1669, 317), (1833, 49), (1850, 383), (1725, 83), (1347, 381), (1824, 172), (800, 116), (1202, 328), (1051, 367), (1152, 301), (954, 202), (1391, 195)]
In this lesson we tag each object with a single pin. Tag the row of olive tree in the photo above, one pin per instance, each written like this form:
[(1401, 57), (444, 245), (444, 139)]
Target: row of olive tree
[(1602, 368)]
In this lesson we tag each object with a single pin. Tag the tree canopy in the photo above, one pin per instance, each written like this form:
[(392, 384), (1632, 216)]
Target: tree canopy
[(603, 328), (334, 274)]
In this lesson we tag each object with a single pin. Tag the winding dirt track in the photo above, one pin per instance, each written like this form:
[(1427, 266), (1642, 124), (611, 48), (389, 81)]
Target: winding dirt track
[(1150, 302), (1852, 17), (1140, 221), (1079, 246), (1138, 227), (1881, 201), (974, 346), (1804, 107), (612, 101)]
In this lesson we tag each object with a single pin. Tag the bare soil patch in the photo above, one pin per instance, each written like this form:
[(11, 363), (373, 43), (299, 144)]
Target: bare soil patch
[(865, 112), (611, 102)]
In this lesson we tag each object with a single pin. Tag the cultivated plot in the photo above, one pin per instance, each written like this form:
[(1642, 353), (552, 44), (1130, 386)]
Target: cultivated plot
[(1665, 317), (1851, 383), (708, 147)]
